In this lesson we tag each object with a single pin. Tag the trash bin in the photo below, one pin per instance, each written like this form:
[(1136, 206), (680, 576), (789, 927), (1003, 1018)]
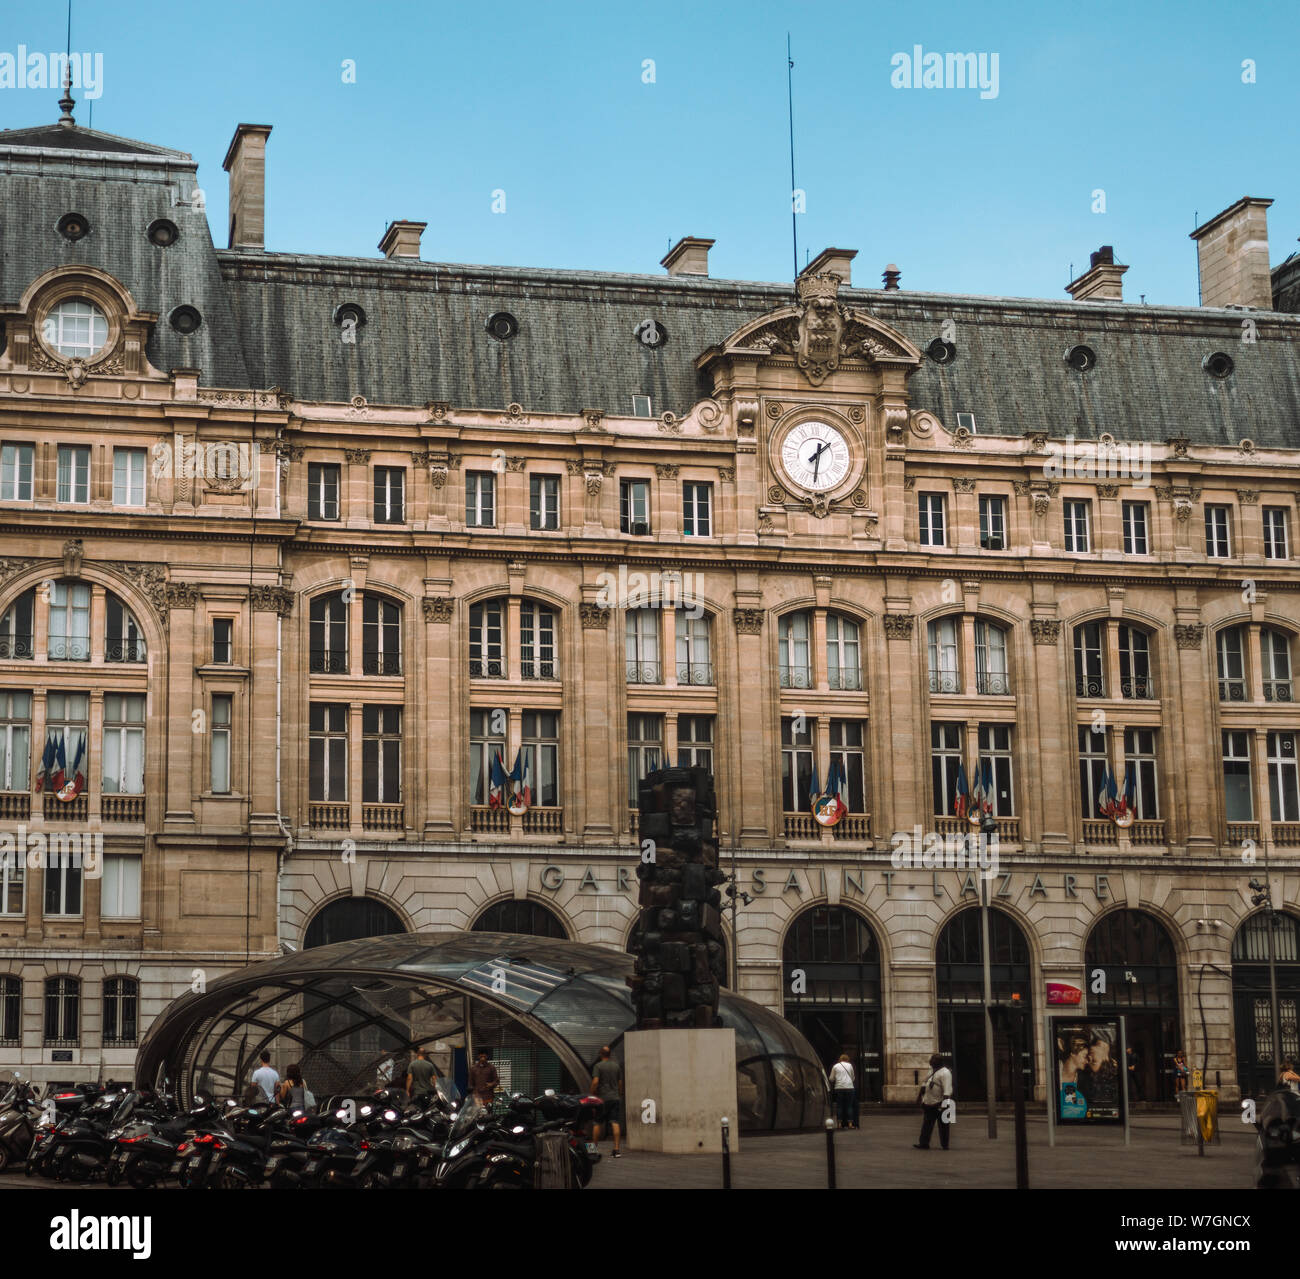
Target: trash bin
[(1199, 1115)]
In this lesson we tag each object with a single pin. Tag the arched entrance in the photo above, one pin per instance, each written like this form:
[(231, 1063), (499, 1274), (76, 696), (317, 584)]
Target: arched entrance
[(1251, 1004), (830, 977), (527, 917), (350, 919), (959, 994), (1136, 955)]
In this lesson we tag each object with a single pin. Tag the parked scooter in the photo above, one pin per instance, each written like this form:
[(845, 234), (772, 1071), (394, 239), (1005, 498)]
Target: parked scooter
[(20, 1113)]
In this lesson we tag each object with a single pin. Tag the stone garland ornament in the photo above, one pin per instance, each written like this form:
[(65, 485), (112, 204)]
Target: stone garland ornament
[(666, 470), (594, 617), (1189, 634), (182, 595), (748, 621), (680, 962), (437, 608), (1045, 630), (1248, 497), (777, 495), (726, 474), (898, 625), (963, 485), (1107, 490), (271, 599)]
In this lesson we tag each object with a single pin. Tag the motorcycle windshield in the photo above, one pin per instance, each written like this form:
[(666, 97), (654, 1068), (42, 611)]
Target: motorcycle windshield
[(125, 1109), (446, 1089), (464, 1121)]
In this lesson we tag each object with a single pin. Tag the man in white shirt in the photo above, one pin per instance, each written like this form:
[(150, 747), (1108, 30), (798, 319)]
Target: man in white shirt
[(934, 1093), (266, 1077), (845, 1093)]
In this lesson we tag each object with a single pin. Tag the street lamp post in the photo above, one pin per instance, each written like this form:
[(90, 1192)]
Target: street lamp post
[(988, 826)]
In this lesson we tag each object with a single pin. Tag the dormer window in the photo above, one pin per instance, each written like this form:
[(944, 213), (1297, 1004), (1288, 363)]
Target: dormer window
[(76, 329)]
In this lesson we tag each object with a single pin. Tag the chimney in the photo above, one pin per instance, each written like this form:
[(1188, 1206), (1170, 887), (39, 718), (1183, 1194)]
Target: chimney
[(246, 163), (1101, 282), (891, 276), (689, 256), (838, 260), (1232, 253), (402, 239)]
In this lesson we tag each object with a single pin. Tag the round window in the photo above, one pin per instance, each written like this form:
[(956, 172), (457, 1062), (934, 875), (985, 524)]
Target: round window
[(186, 320), (941, 352), (72, 226), (162, 233), (76, 329), (1081, 358), (1219, 364), (502, 326)]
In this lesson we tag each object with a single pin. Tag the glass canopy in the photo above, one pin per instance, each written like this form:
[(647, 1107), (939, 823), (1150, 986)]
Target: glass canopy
[(351, 1014)]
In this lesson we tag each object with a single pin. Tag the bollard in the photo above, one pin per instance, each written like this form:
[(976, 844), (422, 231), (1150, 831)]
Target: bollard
[(830, 1154), (726, 1154)]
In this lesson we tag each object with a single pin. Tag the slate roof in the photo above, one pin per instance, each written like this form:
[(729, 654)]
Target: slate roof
[(268, 320)]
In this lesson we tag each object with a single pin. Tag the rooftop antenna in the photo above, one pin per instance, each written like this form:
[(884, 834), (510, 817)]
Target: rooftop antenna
[(66, 103), (1200, 297), (789, 92)]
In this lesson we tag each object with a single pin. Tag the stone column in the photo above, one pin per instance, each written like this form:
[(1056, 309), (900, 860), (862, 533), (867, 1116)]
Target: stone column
[(1056, 734), (903, 713), (668, 644), (595, 713), (438, 708), (94, 763), (666, 521), (356, 585), (268, 605), (1259, 783), (354, 767), (181, 692), (1198, 730), (356, 483), (749, 812)]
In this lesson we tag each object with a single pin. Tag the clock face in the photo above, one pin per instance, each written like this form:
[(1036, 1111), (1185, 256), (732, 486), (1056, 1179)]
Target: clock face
[(815, 456)]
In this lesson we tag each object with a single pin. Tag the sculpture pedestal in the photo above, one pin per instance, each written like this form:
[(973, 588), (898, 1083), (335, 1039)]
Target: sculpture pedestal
[(690, 1076)]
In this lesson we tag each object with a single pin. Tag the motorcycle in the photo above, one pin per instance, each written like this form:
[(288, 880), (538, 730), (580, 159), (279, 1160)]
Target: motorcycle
[(19, 1119), (146, 1132), (78, 1147)]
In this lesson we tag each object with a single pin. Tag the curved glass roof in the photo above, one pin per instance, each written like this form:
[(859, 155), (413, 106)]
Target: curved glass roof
[(387, 993)]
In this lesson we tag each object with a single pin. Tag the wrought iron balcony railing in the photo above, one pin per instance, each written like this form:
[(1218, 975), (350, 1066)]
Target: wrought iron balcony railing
[(848, 678), (993, 683), (325, 663), (530, 669), (1232, 690), (1139, 687), (696, 673), (945, 682), (644, 673), (1277, 690), (69, 650), (493, 668), (796, 677), (381, 663), (1089, 686), (17, 647)]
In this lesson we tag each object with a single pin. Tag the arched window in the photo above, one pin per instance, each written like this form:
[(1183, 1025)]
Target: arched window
[(694, 648), (69, 638), (1275, 660), (123, 638), (329, 635), (992, 673), (843, 652), (643, 666), (538, 629), (1090, 660), (1135, 663), (351, 919), (76, 328), (121, 997), (942, 642), (381, 636), (1232, 666), (16, 627), (530, 918), (487, 640), (1252, 1002), (794, 633), (62, 1012), (11, 1011)]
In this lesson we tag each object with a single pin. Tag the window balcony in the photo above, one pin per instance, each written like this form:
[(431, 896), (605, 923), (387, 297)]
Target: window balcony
[(15, 806), (69, 650), (853, 826), (489, 821), (1147, 833), (530, 669), (381, 663), (324, 816), (848, 678), (124, 651), (993, 684), (644, 673), (945, 682), (1277, 690), (796, 677), (1091, 686), (122, 808), (1286, 834), (1099, 831), (1140, 688), (698, 674), (801, 826), (1232, 690), (1240, 832), (544, 821), (1008, 827), (493, 668), (383, 817), (74, 810), (17, 647), (323, 663)]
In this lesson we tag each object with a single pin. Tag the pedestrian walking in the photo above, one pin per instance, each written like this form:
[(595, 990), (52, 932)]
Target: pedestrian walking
[(845, 1092), (267, 1078), (419, 1077), (293, 1091), (607, 1084), (934, 1093), (1181, 1073), (483, 1078)]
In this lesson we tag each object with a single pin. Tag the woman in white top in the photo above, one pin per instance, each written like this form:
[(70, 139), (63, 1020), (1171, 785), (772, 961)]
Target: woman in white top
[(844, 1090)]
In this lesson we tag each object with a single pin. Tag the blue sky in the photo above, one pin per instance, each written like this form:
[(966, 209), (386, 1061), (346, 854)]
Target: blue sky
[(603, 170)]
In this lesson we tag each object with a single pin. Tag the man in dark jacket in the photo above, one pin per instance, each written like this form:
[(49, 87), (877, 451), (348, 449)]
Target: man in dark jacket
[(483, 1078)]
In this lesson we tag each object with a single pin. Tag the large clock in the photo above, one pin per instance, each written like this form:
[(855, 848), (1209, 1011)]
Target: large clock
[(815, 456)]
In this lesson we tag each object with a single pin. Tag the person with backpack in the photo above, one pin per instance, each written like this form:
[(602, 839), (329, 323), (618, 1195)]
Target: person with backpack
[(845, 1092), (934, 1093)]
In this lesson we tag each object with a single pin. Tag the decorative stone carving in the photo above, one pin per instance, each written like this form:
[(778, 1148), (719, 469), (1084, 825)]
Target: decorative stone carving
[(357, 456), (666, 470), (1248, 497), (438, 474), (909, 484), (594, 617), (748, 621), (1189, 634), (514, 414), (726, 474), (595, 479), (774, 410), (272, 399), (1042, 503), (1107, 490), (437, 608), (669, 422), (182, 595), (1182, 510), (73, 553), (898, 625), (1178, 444), (962, 438), (963, 484), (1021, 487), (924, 424), (12, 566), (708, 413), (287, 452), (271, 599), (592, 420), (357, 405), (857, 415), (821, 325), (438, 409), (516, 463), (817, 505), (1044, 630), (857, 499), (1038, 441), (765, 524), (149, 579), (777, 495), (1247, 446), (896, 420)]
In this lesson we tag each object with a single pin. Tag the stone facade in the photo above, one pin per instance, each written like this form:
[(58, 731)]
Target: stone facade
[(321, 553)]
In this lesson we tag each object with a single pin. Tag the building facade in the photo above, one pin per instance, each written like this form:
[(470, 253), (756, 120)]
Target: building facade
[(296, 549)]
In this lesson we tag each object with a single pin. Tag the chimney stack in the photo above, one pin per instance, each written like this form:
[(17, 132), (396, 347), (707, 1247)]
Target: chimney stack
[(246, 163), (891, 276), (689, 256), (840, 261), (402, 239), (1232, 253), (1101, 282)]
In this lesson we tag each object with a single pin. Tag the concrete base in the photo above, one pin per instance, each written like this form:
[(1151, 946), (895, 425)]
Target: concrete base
[(690, 1076)]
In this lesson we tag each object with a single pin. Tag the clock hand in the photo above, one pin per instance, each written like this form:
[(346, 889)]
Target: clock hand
[(816, 460)]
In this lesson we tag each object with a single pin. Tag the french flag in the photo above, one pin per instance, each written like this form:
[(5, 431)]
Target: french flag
[(521, 796), (497, 780), (70, 790), (44, 773)]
